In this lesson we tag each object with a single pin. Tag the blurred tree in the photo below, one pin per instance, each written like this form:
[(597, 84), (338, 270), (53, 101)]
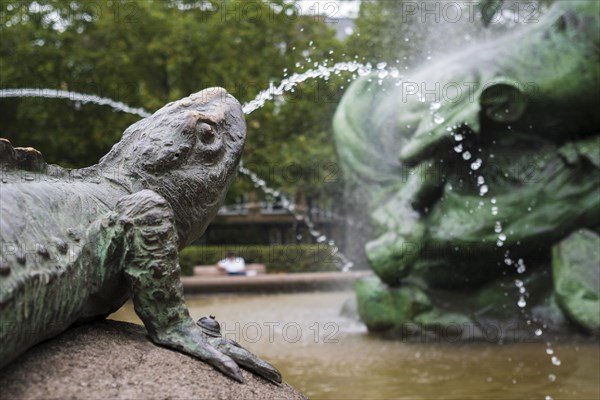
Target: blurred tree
[(385, 31), (407, 32), (148, 53)]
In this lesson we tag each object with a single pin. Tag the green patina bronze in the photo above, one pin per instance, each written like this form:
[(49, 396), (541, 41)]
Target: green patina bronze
[(76, 244), (525, 107)]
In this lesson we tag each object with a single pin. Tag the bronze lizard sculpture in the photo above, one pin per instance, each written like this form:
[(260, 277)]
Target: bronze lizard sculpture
[(76, 244)]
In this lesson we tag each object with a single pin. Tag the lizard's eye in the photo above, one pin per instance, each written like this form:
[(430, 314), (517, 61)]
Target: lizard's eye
[(205, 132)]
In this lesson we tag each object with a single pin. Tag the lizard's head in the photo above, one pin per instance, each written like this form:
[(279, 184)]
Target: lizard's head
[(188, 151), (203, 133)]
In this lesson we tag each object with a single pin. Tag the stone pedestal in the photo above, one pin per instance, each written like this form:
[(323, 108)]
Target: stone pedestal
[(116, 360)]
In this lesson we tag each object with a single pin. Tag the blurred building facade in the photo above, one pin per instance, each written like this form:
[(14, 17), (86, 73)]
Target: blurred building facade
[(269, 223)]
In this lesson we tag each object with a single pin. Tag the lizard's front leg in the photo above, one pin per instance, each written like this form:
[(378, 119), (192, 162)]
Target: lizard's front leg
[(151, 267), (144, 224)]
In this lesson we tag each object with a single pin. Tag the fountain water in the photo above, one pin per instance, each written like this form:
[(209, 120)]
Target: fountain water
[(502, 237), (381, 72), (322, 72), (74, 96)]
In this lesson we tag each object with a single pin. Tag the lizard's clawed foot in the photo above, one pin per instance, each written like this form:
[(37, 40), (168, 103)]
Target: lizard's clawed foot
[(190, 339), (232, 349), (204, 340)]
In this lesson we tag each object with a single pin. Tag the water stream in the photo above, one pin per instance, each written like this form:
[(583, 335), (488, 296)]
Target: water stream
[(518, 264), (81, 98)]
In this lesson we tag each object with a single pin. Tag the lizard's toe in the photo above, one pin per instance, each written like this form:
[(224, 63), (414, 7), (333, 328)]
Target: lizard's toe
[(246, 359)]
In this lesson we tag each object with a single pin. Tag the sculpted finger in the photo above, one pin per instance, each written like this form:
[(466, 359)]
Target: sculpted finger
[(223, 363), (247, 359), (192, 341)]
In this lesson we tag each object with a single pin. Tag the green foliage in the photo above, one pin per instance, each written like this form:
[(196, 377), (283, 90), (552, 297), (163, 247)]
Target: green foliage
[(148, 53), (386, 32), (406, 32), (277, 259)]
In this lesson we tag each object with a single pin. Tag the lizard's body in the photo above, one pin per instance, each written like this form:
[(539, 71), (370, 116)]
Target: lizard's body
[(56, 250)]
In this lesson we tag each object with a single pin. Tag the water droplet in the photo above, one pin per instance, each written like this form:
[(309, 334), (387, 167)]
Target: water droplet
[(556, 361), (458, 148), (499, 243), (435, 106), (382, 74), (381, 65), (548, 398), (507, 261), (493, 200), (502, 237), (480, 180), (498, 227), (466, 155), (551, 378), (494, 210), (538, 332), (364, 71), (483, 190), (518, 283), (549, 351), (521, 303), (475, 165), (438, 119)]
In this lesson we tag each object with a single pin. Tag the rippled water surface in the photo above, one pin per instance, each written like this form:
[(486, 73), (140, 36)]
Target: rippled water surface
[(328, 356)]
